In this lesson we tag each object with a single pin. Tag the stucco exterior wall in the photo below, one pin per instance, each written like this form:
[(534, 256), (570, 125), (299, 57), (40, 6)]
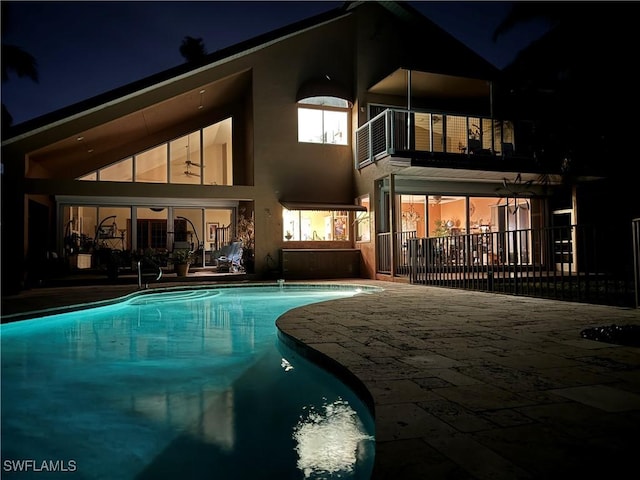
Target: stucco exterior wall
[(284, 168)]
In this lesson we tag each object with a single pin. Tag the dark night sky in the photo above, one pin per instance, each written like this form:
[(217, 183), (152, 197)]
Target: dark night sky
[(87, 48)]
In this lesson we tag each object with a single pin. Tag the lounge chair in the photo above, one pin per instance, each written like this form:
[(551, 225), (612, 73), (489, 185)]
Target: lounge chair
[(229, 258)]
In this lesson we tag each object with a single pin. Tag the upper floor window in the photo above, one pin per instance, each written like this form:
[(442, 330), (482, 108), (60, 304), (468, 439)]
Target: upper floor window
[(323, 120), (202, 157)]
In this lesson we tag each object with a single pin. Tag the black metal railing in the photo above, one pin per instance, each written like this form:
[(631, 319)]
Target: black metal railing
[(143, 264), (566, 263), (383, 252), (400, 252)]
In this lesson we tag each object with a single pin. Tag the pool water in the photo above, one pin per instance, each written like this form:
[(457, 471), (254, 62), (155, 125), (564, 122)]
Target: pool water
[(189, 384)]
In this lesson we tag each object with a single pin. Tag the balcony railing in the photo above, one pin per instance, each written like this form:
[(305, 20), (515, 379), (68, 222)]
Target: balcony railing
[(397, 130)]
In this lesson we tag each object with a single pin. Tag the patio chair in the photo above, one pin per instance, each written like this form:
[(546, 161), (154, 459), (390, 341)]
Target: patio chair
[(229, 258)]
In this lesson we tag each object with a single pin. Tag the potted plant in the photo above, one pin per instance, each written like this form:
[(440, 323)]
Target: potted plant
[(181, 260), (443, 228)]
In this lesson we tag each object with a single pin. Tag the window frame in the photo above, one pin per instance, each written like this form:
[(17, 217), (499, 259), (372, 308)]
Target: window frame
[(295, 226), (312, 103), (201, 158)]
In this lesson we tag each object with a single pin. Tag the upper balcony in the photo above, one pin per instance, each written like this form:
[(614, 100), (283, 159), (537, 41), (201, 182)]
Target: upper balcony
[(427, 139)]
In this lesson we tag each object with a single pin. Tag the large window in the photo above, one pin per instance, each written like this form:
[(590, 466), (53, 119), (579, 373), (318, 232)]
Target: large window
[(151, 229), (447, 215), (118, 172), (323, 120), (185, 165), (203, 157), (312, 225), (151, 166), (98, 230)]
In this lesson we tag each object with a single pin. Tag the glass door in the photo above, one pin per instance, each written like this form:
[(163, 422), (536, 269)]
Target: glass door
[(513, 218), (563, 241)]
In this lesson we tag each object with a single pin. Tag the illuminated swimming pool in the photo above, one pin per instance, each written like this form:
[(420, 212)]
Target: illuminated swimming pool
[(178, 384)]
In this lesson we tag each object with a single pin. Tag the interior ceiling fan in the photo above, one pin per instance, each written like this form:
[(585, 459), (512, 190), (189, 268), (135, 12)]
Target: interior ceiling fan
[(188, 172), (190, 164), (439, 199)]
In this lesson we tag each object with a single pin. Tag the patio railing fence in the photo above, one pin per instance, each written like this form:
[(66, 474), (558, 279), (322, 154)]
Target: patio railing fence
[(573, 263)]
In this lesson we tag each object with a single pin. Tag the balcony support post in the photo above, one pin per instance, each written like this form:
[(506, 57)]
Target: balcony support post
[(493, 124), (408, 145), (392, 223), (370, 146), (389, 121)]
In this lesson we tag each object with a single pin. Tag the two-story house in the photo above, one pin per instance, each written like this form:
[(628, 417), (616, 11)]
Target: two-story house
[(325, 145)]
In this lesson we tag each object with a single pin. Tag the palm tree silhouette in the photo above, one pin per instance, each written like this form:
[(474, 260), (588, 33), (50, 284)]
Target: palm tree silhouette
[(16, 60), (192, 49)]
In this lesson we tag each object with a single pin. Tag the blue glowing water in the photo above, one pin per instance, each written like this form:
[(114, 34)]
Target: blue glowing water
[(183, 384)]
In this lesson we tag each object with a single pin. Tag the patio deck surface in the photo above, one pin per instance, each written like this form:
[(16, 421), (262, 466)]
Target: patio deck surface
[(465, 385)]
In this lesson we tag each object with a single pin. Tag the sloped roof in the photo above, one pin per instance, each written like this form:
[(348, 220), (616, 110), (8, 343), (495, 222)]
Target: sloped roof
[(456, 59), (178, 71), (120, 105)]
